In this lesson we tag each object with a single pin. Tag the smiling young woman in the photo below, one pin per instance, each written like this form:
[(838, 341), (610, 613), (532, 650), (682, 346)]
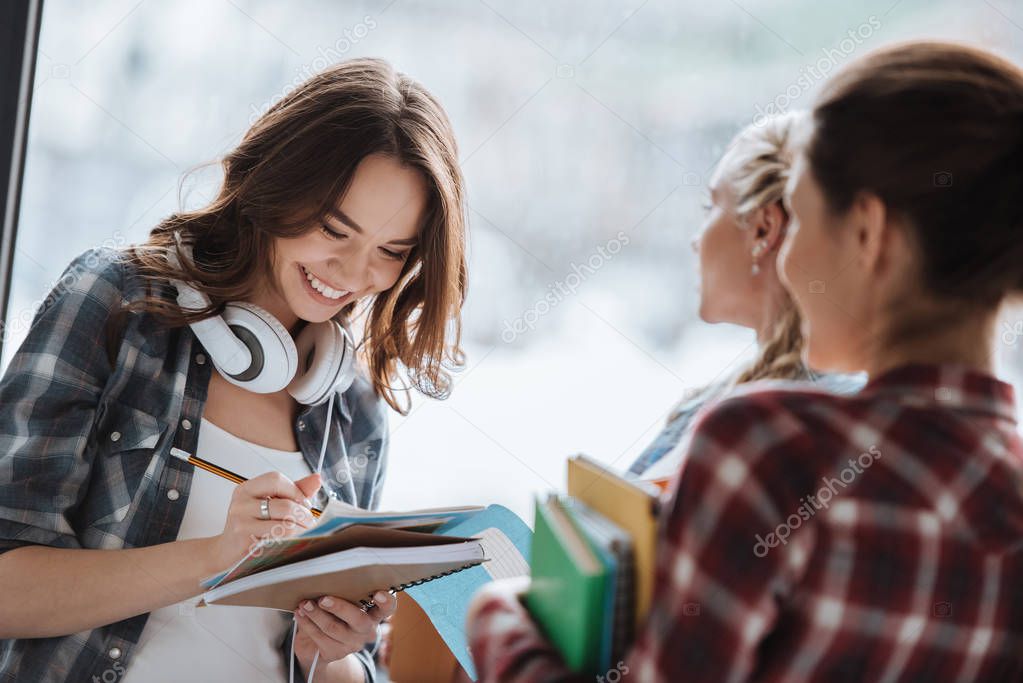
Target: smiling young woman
[(354, 180), (343, 203)]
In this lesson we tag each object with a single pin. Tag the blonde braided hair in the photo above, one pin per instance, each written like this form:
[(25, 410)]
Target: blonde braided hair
[(756, 166)]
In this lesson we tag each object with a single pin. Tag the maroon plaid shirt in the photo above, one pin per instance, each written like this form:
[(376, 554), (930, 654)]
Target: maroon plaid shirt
[(813, 537)]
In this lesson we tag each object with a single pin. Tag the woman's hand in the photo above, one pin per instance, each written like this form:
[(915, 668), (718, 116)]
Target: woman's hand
[(289, 515), (337, 628), (504, 640)]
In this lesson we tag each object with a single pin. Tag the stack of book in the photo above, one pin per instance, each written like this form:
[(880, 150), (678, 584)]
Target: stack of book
[(592, 565)]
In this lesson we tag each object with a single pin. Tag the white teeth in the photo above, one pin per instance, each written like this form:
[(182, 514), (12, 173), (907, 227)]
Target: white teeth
[(323, 289)]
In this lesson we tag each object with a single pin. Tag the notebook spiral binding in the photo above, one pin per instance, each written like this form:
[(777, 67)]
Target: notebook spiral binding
[(367, 605)]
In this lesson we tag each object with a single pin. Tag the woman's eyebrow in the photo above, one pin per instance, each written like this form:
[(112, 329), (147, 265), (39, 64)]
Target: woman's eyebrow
[(344, 218)]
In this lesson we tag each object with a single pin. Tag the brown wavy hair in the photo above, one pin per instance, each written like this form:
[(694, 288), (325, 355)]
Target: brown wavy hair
[(293, 165)]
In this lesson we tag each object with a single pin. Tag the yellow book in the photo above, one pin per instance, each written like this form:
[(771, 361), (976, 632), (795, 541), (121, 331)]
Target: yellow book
[(631, 504)]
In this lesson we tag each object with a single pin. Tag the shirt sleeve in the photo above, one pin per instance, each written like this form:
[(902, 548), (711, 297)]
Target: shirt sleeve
[(508, 647), (48, 399), (730, 550)]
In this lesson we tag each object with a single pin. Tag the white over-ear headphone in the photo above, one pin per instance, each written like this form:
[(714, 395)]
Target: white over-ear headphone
[(253, 350)]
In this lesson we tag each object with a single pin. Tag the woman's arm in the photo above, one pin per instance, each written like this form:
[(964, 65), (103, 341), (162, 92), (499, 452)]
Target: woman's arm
[(506, 644), (56, 591)]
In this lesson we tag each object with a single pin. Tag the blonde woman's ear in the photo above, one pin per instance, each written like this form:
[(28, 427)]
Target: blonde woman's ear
[(769, 224)]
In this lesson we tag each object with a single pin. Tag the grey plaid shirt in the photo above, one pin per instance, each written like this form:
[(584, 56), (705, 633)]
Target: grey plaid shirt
[(85, 448)]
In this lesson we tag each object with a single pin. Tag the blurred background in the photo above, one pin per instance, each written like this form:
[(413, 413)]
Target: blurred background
[(587, 132)]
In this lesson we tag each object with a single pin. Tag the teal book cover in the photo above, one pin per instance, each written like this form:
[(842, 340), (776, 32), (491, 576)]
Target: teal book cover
[(506, 542)]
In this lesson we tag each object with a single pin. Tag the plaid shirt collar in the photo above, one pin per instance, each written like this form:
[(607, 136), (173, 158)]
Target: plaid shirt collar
[(949, 386)]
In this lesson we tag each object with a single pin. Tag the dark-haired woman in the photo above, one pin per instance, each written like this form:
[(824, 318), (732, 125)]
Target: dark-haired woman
[(343, 201), (879, 536)]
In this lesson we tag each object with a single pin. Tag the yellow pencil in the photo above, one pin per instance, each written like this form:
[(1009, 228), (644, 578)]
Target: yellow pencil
[(217, 470)]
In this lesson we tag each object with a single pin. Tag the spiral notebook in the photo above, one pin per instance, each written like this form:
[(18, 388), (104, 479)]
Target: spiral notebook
[(365, 559), (330, 535)]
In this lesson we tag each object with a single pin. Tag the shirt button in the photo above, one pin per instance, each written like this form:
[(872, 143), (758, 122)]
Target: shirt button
[(173, 494), (115, 436), (186, 424), (200, 359), (114, 652), (301, 426)]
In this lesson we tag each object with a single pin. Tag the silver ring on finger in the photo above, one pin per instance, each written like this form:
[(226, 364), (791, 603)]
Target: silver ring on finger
[(264, 509)]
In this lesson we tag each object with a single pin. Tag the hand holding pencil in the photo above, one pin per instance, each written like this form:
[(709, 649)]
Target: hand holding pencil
[(270, 505), (216, 469)]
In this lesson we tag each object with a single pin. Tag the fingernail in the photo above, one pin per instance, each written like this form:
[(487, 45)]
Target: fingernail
[(308, 503), (380, 596), (326, 602), (307, 606)]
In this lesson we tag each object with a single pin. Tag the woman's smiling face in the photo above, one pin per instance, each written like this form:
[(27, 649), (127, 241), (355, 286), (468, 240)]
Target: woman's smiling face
[(357, 251)]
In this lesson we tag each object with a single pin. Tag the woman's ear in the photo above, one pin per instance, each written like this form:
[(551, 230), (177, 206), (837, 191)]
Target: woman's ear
[(768, 226), (871, 222)]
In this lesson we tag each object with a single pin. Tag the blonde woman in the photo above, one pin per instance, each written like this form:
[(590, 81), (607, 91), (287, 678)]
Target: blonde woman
[(744, 228)]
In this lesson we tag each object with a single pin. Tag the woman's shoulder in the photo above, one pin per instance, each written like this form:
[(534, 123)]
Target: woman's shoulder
[(103, 274), (779, 394), (795, 399), (90, 267), (794, 420), (89, 288), (776, 437)]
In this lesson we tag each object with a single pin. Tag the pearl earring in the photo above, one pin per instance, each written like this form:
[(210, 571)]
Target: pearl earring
[(758, 249)]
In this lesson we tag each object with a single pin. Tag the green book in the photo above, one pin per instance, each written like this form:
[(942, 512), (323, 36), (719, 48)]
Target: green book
[(567, 590), (613, 548)]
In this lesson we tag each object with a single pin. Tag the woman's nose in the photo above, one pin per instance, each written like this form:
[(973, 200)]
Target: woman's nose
[(353, 272)]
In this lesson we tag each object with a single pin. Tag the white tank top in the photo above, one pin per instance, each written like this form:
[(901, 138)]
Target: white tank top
[(217, 643)]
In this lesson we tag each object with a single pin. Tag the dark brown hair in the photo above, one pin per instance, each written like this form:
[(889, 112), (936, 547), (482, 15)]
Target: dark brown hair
[(292, 166), (935, 130)]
